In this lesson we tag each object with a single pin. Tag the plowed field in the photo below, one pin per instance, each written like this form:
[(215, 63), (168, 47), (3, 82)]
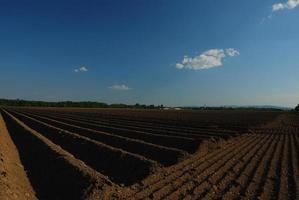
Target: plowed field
[(137, 154)]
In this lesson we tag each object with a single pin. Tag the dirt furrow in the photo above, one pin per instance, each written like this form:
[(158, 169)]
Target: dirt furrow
[(284, 170), (237, 190), (202, 191), (293, 168), (188, 173), (275, 169), (14, 182), (271, 180), (159, 129), (53, 172), (183, 143), (164, 155), (230, 175), (144, 124), (199, 134), (242, 179), (123, 154), (258, 180), (121, 167), (154, 182)]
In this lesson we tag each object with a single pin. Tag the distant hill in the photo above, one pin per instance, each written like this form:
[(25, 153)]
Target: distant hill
[(234, 107)]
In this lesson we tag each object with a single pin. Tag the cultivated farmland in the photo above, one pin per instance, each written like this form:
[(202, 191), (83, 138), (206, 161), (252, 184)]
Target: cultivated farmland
[(138, 154)]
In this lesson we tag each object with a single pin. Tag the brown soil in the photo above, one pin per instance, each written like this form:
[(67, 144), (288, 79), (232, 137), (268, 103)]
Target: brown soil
[(127, 156), (14, 183), (53, 172), (251, 167)]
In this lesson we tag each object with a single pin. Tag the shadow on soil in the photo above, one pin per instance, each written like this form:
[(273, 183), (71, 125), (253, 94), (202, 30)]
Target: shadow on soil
[(121, 168), (51, 176)]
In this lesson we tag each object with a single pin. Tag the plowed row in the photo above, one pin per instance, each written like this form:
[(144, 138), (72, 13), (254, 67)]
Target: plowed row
[(71, 156), (53, 172), (134, 154), (257, 166), (236, 120)]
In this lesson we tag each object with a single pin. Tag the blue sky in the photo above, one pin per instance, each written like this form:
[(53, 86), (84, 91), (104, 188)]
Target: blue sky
[(170, 52)]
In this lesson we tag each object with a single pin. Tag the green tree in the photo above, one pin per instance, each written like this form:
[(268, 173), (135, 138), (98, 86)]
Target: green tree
[(297, 108)]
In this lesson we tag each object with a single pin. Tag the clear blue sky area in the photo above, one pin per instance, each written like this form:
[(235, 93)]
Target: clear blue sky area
[(171, 52)]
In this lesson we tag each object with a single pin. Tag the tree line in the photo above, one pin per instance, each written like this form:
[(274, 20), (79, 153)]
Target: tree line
[(93, 104), (80, 104)]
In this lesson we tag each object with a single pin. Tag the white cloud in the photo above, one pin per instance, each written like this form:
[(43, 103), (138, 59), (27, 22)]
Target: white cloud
[(208, 59), (232, 52), (278, 6), (290, 4), (81, 69), (120, 87)]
